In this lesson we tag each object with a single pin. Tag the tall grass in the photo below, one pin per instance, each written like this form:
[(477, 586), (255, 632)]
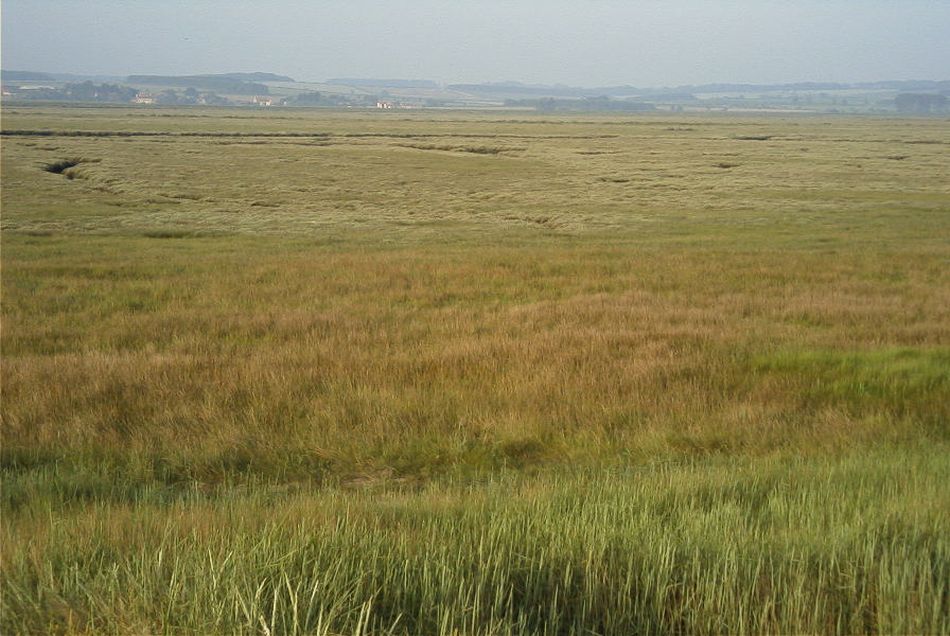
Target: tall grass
[(211, 357), (852, 545)]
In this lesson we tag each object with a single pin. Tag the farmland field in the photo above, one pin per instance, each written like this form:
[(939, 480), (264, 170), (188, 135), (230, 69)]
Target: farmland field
[(348, 372)]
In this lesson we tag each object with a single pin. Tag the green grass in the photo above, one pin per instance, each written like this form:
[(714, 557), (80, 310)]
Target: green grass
[(342, 372), (895, 381), (724, 546)]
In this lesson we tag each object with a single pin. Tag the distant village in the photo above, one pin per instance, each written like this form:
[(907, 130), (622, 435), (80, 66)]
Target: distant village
[(190, 96), (118, 94)]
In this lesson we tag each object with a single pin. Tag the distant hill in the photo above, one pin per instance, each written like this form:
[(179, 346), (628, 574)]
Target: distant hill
[(905, 85), (511, 89), (253, 77), (909, 85), (36, 76), (685, 92), (25, 76), (233, 83), (384, 83)]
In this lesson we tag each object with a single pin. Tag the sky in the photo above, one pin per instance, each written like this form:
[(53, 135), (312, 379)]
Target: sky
[(580, 43)]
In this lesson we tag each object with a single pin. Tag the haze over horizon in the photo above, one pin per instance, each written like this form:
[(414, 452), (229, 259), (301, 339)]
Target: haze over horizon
[(603, 42)]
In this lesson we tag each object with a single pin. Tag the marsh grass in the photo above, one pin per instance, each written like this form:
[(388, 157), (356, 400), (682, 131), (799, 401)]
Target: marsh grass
[(789, 545), (589, 383)]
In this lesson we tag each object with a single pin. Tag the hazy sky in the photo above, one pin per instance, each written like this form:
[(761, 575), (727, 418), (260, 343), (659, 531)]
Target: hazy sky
[(587, 43)]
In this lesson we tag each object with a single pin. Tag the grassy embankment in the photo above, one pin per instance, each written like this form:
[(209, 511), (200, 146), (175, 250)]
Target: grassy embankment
[(342, 372)]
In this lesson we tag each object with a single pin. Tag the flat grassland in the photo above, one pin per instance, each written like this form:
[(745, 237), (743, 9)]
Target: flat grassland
[(475, 373)]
